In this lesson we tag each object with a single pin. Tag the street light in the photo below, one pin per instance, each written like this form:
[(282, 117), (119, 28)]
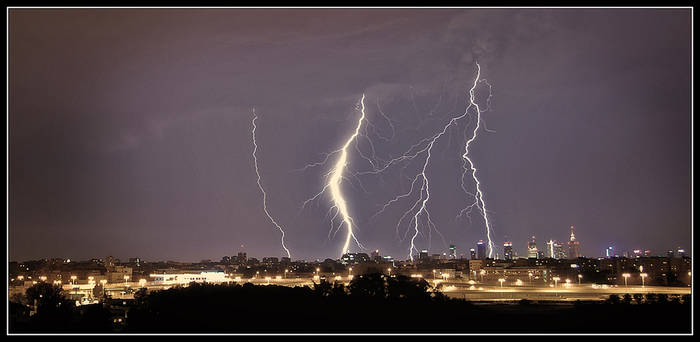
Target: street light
[(389, 270), (643, 275), (501, 280), (579, 279), (126, 280), (529, 274), (285, 273), (626, 275), (482, 272), (349, 271), (72, 279), (142, 282), (433, 274), (556, 279)]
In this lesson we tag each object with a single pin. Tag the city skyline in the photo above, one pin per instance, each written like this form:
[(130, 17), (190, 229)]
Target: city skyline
[(130, 130)]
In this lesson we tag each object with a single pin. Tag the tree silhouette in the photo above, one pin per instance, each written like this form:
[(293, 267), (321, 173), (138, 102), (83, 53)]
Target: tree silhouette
[(369, 285)]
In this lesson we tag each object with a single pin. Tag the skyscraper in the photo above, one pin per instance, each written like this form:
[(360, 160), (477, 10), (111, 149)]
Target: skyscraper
[(480, 250), (610, 252), (508, 250), (574, 248), (559, 252), (532, 248), (453, 252), (472, 254), (550, 249)]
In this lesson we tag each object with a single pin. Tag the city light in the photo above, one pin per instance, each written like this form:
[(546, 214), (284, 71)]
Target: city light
[(643, 275), (626, 275), (556, 279), (501, 280)]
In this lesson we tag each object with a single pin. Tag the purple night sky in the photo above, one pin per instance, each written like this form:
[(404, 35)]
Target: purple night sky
[(130, 129)]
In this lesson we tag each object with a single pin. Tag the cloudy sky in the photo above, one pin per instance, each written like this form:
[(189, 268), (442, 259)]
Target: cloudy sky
[(130, 129)]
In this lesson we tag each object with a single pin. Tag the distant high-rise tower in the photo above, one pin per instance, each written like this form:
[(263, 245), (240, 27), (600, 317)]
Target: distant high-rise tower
[(508, 250), (472, 254), (480, 250), (574, 248), (453, 252), (610, 252), (550, 249), (532, 248), (559, 252)]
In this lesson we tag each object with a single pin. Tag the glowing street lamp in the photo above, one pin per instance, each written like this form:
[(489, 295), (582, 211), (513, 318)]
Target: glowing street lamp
[(556, 279), (568, 281), (482, 273), (349, 271), (126, 280), (626, 275), (643, 275), (285, 273), (389, 270), (22, 277), (501, 280), (142, 282), (433, 274), (579, 279), (529, 274), (72, 279), (42, 278)]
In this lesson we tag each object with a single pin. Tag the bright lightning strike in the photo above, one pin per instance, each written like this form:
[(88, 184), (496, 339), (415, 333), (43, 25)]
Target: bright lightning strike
[(479, 195), (420, 205), (257, 172), (336, 176)]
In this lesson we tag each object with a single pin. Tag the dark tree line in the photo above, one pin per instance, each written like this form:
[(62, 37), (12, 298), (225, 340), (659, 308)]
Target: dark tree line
[(370, 303)]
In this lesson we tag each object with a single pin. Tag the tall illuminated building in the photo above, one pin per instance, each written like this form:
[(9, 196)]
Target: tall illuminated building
[(609, 252), (559, 252), (550, 249), (472, 254), (574, 248), (508, 250), (480, 250), (532, 248), (453, 252)]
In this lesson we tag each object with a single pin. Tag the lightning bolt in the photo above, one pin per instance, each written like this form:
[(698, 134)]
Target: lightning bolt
[(335, 177), (479, 195), (419, 208), (257, 172)]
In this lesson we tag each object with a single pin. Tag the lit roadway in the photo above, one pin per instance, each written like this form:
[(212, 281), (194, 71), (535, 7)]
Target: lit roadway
[(470, 290)]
